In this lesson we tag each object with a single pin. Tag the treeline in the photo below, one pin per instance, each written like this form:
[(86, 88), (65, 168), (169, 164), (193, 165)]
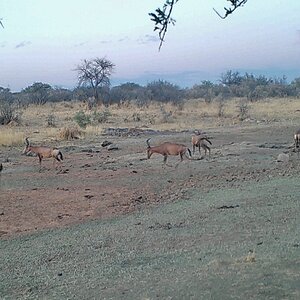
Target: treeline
[(231, 84)]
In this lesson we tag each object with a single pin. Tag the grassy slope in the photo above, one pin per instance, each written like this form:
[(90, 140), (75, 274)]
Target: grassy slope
[(184, 250)]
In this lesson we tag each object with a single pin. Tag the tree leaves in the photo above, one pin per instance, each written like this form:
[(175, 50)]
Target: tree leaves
[(162, 16)]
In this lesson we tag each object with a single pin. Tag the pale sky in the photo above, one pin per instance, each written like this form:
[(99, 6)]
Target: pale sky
[(44, 40)]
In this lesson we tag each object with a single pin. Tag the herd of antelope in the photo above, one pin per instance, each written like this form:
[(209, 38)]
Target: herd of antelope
[(165, 149)]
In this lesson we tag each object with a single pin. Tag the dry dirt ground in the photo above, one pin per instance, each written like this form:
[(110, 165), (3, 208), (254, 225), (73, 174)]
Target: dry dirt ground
[(114, 225), (94, 183)]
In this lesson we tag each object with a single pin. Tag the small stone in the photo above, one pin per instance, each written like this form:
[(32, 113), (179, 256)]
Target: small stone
[(282, 157), (112, 147)]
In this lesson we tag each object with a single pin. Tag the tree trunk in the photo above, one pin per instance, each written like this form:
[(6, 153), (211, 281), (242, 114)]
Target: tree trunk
[(96, 96)]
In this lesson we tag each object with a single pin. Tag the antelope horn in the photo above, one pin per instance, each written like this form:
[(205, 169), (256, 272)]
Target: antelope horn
[(148, 143)]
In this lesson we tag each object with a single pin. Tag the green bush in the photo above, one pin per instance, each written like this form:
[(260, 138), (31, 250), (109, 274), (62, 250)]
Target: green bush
[(82, 119)]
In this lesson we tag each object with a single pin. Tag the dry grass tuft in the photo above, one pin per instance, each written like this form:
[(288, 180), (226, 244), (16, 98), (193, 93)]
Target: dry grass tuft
[(11, 137), (69, 133), (250, 257), (93, 130)]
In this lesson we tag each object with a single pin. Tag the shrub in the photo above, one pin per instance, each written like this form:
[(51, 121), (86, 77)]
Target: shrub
[(136, 117), (243, 110), (166, 116), (8, 113), (100, 117), (82, 119), (50, 120)]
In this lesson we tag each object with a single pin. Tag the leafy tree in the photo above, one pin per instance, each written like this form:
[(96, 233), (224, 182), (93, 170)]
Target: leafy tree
[(4, 90), (205, 90), (231, 78), (296, 82), (296, 86), (61, 94), (95, 73), (129, 91), (39, 93), (164, 91), (82, 93), (162, 17)]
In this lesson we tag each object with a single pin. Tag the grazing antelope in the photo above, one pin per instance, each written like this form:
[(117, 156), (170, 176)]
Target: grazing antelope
[(43, 152), (167, 148), (199, 141), (297, 141)]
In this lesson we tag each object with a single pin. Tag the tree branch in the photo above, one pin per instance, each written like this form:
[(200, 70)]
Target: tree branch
[(235, 4), (163, 17)]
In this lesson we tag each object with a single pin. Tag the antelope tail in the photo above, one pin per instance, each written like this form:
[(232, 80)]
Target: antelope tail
[(60, 155)]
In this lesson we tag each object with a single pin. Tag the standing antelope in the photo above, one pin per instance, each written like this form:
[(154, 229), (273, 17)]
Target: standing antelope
[(199, 141), (43, 152), (167, 148), (297, 141)]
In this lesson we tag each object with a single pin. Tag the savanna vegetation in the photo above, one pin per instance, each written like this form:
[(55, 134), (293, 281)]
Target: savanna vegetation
[(158, 105)]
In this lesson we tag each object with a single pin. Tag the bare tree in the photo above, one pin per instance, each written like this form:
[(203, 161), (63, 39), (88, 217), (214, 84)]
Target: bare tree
[(95, 73), (162, 17)]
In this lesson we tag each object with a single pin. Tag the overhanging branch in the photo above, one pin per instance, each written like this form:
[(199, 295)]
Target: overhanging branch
[(162, 17), (234, 5)]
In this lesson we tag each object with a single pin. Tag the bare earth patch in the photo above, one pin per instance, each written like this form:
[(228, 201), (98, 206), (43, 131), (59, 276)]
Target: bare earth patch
[(95, 183), (114, 225)]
